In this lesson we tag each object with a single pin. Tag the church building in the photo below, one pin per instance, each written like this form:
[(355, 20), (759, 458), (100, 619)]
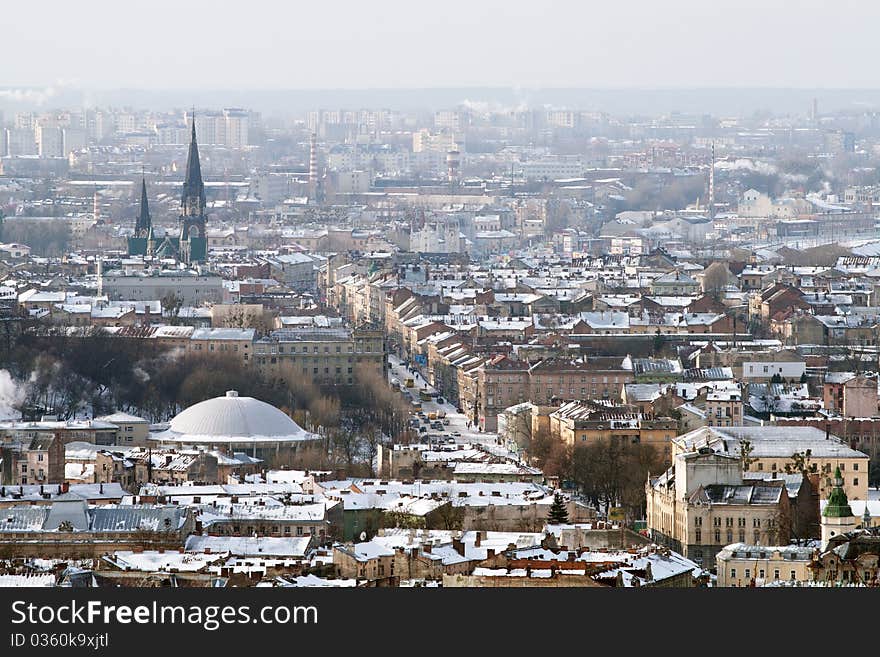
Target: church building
[(191, 245)]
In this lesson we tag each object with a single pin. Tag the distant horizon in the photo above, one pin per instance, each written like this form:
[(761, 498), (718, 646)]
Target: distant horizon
[(240, 88), (719, 100)]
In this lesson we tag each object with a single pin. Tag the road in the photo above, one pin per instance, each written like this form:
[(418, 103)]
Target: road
[(458, 422)]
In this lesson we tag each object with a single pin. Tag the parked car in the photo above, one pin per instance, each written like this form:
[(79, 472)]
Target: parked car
[(445, 421)]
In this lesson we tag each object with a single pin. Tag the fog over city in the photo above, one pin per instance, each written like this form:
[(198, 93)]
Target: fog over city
[(498, 50)]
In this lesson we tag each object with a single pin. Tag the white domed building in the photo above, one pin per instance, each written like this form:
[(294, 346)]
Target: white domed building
[(240, 424)]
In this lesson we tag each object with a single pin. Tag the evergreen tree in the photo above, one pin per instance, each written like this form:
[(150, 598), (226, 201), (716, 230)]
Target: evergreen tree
[(558, 512)]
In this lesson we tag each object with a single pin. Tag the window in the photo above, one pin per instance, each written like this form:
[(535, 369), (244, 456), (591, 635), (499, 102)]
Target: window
[(698, 536), (776, 573), (761, 573), (793, 577), (855, 481), (732, 573)]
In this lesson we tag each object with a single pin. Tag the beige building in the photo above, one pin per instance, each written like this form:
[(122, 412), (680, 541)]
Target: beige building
[(702, 504), (741, 564)]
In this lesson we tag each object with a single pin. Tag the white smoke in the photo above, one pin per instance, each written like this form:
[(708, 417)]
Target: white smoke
[(743, 163), (37, 96), (30, 96), (11, 395)]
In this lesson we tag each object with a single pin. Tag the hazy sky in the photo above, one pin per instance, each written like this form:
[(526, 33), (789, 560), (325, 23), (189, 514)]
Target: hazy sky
[(293, 44)]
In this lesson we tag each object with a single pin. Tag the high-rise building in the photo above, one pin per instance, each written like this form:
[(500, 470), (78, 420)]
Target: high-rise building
[(20, 141), (49, 140), (237, 128)]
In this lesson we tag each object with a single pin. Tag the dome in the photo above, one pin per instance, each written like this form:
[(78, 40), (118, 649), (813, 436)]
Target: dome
[(233, 419)]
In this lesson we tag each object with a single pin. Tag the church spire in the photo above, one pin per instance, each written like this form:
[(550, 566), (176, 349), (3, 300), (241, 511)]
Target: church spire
[(143, 224), (838, 503), (192, 201)]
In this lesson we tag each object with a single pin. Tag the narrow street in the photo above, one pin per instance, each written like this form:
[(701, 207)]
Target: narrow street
[(458, 422)]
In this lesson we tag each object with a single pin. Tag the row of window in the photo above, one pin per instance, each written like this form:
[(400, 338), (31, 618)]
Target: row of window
[(728, 522), (315, 349), (748, 573), (741, 536)]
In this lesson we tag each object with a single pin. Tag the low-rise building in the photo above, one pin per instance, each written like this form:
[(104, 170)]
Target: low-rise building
[(742, 564)]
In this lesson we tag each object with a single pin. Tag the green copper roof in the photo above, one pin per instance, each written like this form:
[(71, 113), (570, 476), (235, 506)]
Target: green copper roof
[(838, 504)]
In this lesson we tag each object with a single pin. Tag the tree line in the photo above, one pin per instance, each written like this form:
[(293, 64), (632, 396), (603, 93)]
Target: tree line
[(92, 373)]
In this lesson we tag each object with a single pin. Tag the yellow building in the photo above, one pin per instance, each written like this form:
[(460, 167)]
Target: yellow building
[(772, 448), (577, 423)]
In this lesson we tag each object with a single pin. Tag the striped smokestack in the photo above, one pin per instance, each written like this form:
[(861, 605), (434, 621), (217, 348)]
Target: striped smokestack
[(313, 166)]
